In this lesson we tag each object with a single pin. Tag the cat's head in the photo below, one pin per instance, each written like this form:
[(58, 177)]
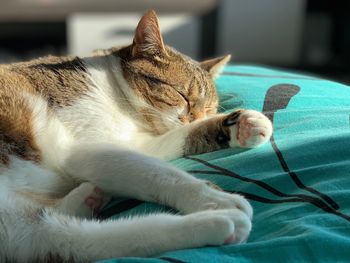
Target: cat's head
[(174, 89)]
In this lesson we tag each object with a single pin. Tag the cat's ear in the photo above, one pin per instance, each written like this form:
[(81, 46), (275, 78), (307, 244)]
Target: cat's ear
[(148, 38), (215, 65)]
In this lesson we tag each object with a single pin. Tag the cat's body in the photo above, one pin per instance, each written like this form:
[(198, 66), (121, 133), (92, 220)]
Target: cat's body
[(70, 127)]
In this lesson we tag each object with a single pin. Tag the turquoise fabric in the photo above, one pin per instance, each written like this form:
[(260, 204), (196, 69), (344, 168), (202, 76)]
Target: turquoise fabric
[(298, 183)]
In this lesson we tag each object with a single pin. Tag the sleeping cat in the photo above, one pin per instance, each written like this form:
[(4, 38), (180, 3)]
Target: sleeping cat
[(73, 127)]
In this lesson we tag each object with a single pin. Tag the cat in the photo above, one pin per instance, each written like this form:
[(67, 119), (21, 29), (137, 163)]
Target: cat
[(74, 131)]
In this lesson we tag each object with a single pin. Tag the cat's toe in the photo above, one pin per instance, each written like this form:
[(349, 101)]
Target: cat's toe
[(96, 199), (243, 226), (84, 201)]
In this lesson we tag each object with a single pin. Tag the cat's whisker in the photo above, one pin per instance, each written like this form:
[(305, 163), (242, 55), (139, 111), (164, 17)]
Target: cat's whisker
[(221, 108)]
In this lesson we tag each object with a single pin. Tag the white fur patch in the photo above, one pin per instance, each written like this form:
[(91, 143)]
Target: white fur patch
[(50, 134), (168, 146), (98, 116)]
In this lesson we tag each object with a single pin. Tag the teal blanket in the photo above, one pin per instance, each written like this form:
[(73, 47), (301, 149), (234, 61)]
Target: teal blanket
[(298, 183)]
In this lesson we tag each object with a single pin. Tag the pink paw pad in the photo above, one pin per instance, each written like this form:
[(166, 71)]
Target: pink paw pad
[(231, 239), (253, 129), (97, 199)]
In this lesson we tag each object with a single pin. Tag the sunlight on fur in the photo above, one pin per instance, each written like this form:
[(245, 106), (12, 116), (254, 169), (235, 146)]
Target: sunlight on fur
[(73, 127)]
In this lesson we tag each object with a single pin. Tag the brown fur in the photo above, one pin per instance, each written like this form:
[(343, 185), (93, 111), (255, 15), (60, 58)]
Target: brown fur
[(171, 80), (59, 80), (16, 136), (211, 135)]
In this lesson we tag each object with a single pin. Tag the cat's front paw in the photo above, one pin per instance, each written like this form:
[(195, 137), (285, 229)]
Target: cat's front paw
[(242, 128), (249, 128)]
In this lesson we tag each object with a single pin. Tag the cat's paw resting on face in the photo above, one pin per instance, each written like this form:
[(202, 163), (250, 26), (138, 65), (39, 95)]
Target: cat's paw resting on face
[(241, 128), (249, 128)]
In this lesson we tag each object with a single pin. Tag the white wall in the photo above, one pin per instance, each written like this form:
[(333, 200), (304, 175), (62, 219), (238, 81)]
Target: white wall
[(261, 31)]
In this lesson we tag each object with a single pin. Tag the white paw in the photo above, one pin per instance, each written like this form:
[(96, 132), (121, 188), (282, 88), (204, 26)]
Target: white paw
[(84, 201), (218, 227), (209, 198), (251, 130)]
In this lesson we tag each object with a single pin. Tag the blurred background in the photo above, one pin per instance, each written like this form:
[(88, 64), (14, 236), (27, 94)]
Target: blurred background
[(305, 35)]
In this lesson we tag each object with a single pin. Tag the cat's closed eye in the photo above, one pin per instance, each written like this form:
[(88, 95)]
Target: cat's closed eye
[(153, 80)]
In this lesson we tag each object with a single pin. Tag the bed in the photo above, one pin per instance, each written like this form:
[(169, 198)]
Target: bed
[(298, 183)]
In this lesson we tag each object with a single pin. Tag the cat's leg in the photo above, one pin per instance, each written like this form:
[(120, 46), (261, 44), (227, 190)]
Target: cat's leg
[(242, 128), (130, 174), (46, 235), (84, 201)]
